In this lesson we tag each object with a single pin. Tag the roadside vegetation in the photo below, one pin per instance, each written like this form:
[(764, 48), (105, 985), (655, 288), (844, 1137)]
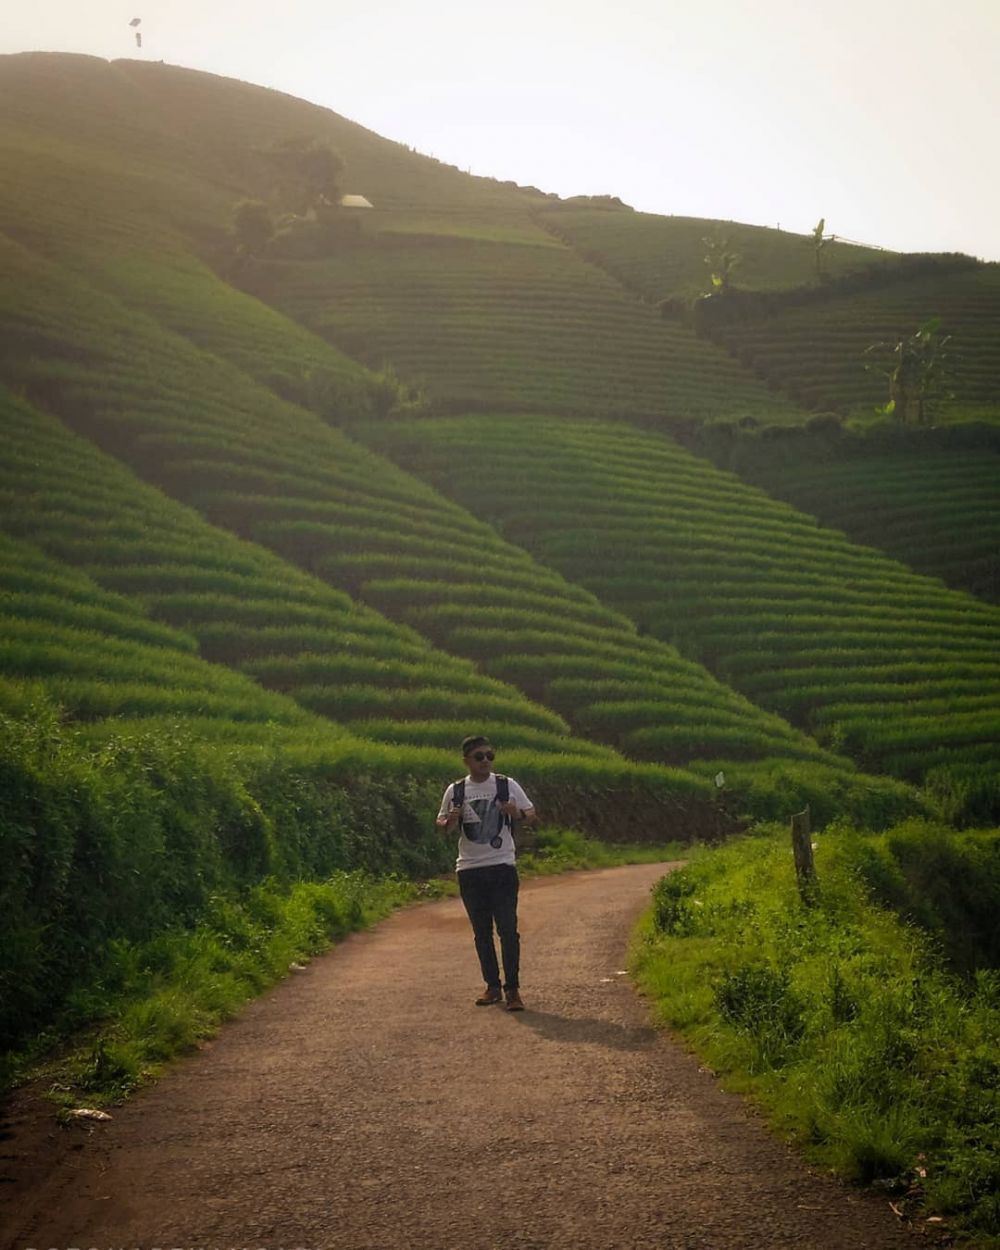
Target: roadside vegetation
[(141, 846), (868, 1035)]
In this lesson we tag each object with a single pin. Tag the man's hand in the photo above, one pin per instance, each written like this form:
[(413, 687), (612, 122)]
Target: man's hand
[(511, 809)]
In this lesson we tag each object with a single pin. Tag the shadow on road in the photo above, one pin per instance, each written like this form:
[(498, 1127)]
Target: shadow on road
[(580, 1029)]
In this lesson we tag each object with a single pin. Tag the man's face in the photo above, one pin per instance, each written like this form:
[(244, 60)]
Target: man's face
[(479, 762)]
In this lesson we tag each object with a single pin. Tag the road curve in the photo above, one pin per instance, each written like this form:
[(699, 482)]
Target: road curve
[(366, 1104)]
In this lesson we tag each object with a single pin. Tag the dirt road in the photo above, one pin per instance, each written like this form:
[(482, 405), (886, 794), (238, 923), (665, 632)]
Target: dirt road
[(366, 1103)]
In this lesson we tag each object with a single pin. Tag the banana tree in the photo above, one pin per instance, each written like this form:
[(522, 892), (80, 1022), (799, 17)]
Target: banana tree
[(916, 369), (721, 262)]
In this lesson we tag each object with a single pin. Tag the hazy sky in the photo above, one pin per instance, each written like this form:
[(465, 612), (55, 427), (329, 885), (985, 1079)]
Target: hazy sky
[(879, 115)]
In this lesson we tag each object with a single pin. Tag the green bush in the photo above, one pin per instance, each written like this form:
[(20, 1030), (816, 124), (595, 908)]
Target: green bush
[(145, 832), (944, 881), (967, 796), (672, 897), (759, 1000)]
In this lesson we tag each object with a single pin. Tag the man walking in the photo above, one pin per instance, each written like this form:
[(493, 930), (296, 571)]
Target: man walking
[(485, 804)]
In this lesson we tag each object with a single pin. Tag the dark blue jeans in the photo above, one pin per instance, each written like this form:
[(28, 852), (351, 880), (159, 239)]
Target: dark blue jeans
[(490, 896)]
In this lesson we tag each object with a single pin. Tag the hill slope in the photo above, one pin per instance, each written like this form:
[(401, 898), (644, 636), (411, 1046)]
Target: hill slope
[(276, 474), (116, 195), (929, 498), (445, 264), (885, 665)]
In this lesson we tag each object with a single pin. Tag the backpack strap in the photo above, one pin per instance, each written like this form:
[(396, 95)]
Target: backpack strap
[(458, 792), (503, 793)]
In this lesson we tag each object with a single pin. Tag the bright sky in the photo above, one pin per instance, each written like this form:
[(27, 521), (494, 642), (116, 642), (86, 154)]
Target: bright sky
[(879, 115)]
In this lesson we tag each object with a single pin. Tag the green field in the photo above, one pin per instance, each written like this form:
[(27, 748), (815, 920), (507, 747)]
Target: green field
[(242, 607), (119, 319), (509, 325), (876, 661), (354, 520), (100, 656), (930, 500)]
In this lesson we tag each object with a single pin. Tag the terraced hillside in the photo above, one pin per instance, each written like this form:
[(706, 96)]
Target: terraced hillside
[(115, 321), (292, 483), (816, 354), (99, 655), (932, 505), (512, 325), (662, 257), (490, 311), (252, 595), (877, 661), (242, 607)]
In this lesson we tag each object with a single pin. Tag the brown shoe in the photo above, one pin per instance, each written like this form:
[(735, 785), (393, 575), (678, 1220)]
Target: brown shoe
[(514, 1001), (489, 996)]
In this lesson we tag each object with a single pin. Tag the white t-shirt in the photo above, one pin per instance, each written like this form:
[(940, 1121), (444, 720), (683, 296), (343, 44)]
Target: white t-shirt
[(483, 823)]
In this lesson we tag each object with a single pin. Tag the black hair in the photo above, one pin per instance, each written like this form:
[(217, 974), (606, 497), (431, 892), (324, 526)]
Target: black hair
[(470, 744)]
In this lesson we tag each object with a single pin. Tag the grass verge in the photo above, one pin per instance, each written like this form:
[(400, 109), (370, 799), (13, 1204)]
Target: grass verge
[(841, 1020)]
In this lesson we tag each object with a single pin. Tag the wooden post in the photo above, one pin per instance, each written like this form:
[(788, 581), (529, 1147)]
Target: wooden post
[(805, 868)]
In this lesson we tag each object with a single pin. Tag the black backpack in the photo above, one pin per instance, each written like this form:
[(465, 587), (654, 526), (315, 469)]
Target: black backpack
[(503, 796)]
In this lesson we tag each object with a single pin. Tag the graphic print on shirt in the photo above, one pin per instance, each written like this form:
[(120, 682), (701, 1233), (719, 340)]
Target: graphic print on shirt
[(482, 821)]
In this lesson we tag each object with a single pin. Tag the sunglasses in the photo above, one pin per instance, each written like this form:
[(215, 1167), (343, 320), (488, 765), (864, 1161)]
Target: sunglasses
[(479, 756)]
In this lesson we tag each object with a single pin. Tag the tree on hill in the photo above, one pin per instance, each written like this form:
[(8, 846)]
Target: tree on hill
[(253, 227), (915, 366), (306, 173)]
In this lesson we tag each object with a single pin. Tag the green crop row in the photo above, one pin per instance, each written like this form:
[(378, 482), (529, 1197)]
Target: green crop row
[(795, 616), (508, 325), (237, 603), (936, 510), (98, 655)]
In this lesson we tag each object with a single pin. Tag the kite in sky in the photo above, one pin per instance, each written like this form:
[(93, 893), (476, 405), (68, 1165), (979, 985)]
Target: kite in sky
[(136, 21)]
